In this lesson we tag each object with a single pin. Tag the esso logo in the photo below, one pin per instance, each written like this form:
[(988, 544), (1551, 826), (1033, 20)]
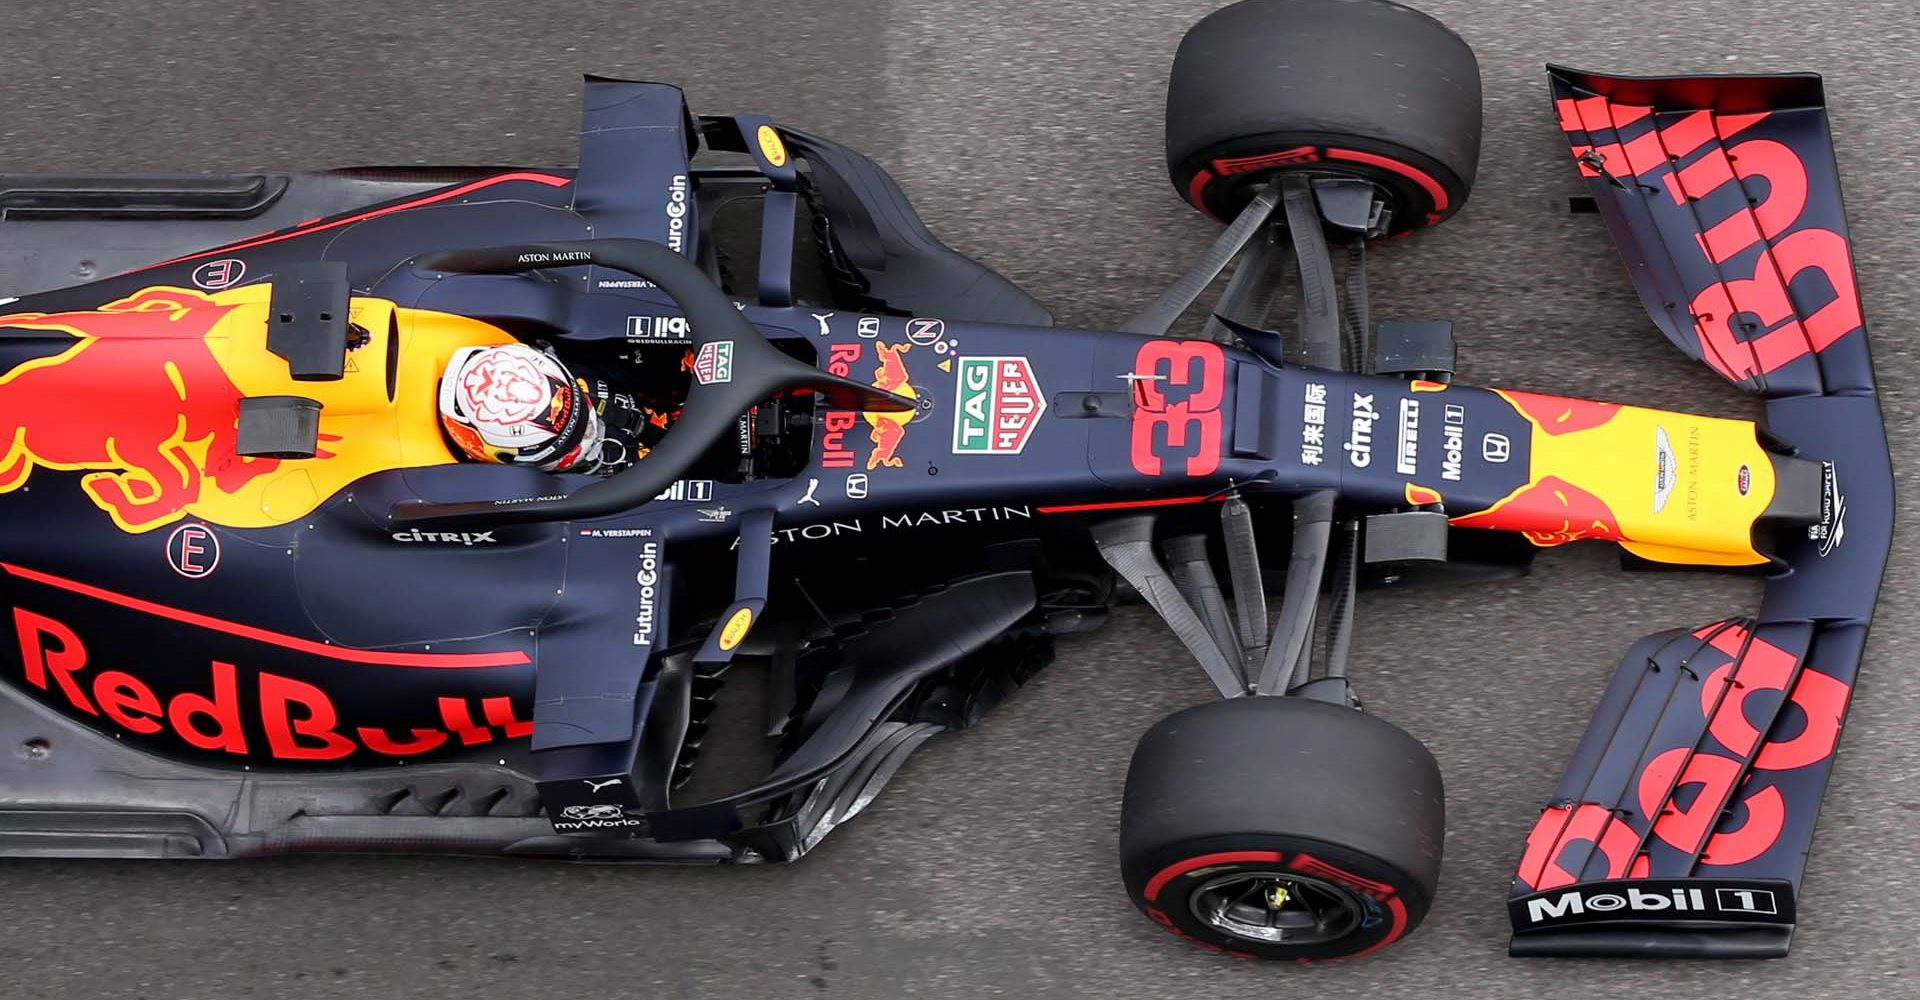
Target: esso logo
[(193, 550), (217, 274)]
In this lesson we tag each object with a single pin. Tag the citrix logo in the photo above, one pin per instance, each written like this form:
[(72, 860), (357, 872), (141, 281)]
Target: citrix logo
[(1360, 438), (445, 537)]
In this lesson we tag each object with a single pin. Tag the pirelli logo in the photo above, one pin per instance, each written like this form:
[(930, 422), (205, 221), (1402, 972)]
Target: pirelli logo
[(1744, 901)]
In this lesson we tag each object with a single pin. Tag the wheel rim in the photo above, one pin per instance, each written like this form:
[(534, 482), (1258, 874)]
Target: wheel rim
[(1273, 907)]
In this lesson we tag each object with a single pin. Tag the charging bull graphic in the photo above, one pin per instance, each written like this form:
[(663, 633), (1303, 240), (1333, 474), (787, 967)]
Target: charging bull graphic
[(1549, 512), (141, 396), (1668, 487), (889, 429), (138, 400)]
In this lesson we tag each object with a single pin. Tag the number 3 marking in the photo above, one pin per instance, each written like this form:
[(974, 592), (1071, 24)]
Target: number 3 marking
[(1192, 421)]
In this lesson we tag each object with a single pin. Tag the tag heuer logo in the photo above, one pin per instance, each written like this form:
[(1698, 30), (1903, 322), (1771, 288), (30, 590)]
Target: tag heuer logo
[(999, 405), (714, 362)]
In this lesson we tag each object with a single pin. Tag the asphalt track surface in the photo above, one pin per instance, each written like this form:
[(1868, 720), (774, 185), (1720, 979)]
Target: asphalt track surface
[(1029, 136)]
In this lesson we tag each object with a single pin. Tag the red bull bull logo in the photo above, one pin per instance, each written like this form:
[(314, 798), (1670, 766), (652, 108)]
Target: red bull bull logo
[(1620, 473), (138, 402), (1549, 512), (1559, 414), (141, 397), (887, 430)]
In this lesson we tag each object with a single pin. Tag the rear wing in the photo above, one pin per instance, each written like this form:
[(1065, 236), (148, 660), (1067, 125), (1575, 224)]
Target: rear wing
[(1681, 825)]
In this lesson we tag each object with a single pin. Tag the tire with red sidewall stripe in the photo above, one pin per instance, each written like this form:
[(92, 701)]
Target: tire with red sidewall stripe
[(1319, 822), (1338, 88)]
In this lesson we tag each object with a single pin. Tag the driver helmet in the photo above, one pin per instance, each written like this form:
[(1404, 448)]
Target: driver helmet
[(514, 405)]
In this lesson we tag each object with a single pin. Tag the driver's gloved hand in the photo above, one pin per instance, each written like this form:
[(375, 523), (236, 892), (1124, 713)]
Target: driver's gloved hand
[(629, 429)]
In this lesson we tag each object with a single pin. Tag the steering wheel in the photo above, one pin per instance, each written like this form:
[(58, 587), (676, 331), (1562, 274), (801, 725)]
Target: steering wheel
[(759, 371)]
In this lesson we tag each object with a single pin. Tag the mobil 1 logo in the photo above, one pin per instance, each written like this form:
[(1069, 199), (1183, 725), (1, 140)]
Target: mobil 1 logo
[(1694, 900)]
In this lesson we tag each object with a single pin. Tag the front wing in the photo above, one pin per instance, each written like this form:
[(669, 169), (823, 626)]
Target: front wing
[(1681, 825)]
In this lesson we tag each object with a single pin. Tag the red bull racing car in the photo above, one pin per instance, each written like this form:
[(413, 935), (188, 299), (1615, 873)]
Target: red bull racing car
[(258, 603)]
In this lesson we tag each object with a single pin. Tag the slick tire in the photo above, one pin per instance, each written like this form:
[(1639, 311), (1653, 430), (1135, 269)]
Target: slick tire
[(1282, 828), (1336, 88)]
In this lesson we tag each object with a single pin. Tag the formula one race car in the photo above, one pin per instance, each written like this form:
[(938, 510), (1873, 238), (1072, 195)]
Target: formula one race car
[(263, 602)]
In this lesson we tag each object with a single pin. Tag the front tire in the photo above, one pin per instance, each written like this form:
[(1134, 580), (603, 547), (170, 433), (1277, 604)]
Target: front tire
[(1282, 828), (1365, 89)]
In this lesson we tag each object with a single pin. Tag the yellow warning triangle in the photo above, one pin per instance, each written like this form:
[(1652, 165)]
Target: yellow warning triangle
[(947, 365)]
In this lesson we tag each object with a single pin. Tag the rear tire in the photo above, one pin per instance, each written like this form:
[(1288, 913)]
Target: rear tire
[(1337, 88), (1282, 828)]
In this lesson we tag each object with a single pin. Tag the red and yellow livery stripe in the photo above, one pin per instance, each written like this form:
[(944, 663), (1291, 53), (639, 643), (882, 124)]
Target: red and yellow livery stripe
[(1669, 487)]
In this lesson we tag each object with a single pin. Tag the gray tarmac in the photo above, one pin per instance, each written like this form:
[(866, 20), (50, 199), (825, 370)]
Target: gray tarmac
[(1029, 136)]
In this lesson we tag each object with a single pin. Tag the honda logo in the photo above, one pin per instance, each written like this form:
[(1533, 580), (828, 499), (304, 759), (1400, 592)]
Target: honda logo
[(1496, 448)]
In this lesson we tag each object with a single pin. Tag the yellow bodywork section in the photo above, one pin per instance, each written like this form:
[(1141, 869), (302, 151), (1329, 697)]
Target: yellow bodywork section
[(145, 403), (1680, 488), (361, 430)]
